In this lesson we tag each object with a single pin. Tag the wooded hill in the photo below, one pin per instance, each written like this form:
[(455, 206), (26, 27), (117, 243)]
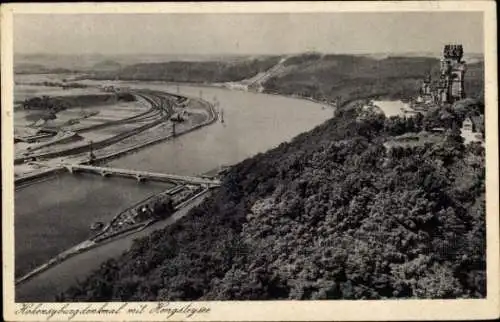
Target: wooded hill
[(333, 214), (192, 72), (323, 77)]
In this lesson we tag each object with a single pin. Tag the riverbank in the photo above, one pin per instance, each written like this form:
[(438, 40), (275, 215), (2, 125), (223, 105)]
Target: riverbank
[(292, 219), (46, 284), (97, 240), (253, 124), (159, 112), (101, 157), (210, 119), (49, 172)]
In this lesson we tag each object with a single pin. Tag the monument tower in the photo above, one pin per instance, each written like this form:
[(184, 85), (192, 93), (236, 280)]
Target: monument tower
[(451, 82)]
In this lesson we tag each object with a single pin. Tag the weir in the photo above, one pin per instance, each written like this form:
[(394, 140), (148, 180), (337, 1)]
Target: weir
[(141, 175)]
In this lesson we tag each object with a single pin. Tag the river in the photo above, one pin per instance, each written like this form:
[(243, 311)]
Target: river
[(55, 214)]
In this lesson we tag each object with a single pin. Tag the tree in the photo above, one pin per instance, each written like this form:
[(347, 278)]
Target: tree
[(438, 282), (162, 206)]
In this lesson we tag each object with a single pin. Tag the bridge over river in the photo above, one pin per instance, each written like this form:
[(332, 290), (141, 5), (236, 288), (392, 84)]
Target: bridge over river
[(141, 175), (254, 124)]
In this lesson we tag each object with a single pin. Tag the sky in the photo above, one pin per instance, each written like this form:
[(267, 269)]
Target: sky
[(268, 33)]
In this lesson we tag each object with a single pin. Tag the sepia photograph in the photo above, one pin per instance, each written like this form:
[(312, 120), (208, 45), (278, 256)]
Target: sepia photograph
[(216, 161)]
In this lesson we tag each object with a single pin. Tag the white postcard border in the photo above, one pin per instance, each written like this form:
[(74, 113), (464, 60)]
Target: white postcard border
[(267, 310)]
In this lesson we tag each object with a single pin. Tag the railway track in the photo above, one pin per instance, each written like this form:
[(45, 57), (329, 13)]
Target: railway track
[(158, 103)]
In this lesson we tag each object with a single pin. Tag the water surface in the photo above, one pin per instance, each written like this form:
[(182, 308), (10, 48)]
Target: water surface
[(54, 215)]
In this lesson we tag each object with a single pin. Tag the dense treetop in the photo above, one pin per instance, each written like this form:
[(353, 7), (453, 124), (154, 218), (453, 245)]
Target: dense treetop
[(333, 214), (337, 213)]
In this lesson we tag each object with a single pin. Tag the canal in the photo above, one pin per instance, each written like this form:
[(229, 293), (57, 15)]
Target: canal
[(54, 215)]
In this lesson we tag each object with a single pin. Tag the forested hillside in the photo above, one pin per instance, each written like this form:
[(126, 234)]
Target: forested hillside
[(334, 214), (327, 76), (193, 72), (323, 77)]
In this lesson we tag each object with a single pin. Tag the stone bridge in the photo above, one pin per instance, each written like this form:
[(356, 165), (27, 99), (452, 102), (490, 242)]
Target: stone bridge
[(141, 175)]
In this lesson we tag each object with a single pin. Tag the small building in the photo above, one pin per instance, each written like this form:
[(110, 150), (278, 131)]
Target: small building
[(467, 125), (473, 124), (472, 129)]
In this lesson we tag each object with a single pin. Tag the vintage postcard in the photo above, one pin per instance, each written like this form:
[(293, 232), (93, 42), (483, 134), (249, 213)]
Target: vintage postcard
[(250, 161)]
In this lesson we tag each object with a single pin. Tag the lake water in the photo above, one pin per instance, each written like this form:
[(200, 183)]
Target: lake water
[(54, 215)]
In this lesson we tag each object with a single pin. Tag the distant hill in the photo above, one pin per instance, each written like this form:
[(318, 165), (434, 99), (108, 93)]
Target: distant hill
[(57, 62), (327, 76), (86, 62), (316, 75), (27, 68), (107, 65), (196, 72), (39, 69)]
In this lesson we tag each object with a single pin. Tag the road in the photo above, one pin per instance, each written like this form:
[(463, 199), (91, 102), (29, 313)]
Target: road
[(46, 285)]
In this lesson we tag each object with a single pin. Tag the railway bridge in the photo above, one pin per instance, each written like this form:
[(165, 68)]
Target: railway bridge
[(141, 175)]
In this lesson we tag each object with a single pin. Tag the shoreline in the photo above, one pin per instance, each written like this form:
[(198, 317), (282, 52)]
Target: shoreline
[(211, 118), (155, 108), (46, 288), (224, 86), (90, 243)]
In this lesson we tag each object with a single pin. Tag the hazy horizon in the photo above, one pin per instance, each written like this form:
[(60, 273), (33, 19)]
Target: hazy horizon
[(246, 34)]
